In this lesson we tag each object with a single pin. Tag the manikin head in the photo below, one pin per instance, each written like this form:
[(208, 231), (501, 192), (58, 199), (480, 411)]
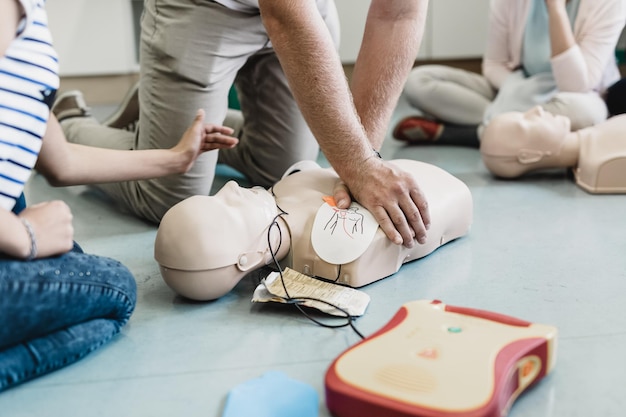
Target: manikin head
[(203, 268), (515, 143)]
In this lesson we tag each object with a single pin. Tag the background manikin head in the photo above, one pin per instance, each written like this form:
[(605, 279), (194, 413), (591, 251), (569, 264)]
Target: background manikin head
[(515, 143), (206, 244)]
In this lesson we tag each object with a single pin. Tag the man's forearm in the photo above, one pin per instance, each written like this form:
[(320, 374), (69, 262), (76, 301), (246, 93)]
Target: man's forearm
[(317, 80), (393, 34)]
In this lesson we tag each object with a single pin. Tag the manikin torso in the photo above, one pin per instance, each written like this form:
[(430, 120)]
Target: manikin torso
[(301, 195), (516, 143), (601, 164)]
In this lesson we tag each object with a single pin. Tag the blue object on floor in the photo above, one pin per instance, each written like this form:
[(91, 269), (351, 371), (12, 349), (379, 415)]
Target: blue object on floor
[(273, 394)]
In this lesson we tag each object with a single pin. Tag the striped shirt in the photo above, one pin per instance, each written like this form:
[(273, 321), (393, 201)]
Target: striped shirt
[(28, 82)]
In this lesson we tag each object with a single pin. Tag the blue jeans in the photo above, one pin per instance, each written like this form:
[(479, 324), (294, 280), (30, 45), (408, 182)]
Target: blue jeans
[(54, 311)]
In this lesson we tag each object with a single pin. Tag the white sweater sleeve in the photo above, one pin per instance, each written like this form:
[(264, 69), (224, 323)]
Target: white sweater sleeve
[(582, 67)]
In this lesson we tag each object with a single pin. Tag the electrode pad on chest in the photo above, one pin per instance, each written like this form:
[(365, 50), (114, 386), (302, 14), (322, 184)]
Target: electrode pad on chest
[(340, 236)]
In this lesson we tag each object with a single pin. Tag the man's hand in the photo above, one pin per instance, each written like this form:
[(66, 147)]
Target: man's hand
[(394, 199)]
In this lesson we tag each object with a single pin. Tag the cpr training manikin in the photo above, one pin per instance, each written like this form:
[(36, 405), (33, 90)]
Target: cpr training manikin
[(516, 143), (206, 244)]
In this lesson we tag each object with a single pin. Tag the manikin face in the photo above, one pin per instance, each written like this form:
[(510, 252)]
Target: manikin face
[(251, 207), (543, 125), (207, 232), (513, 143), (535, 128), (241, 198)]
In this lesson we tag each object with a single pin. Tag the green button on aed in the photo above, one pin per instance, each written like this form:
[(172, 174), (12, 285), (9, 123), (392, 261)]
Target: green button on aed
[(454, 329)]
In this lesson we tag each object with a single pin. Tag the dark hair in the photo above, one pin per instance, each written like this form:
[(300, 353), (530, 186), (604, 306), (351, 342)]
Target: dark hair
[(616, 97)]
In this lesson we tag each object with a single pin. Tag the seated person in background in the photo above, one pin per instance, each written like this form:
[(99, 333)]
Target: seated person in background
[(206, 244), (516, 143), (555, 53), (57, 303)]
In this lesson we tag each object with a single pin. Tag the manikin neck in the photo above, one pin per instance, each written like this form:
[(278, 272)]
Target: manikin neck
[(568, 157)]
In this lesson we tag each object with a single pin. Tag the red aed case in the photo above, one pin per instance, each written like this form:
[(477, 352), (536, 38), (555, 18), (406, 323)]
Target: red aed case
[(436, 360)]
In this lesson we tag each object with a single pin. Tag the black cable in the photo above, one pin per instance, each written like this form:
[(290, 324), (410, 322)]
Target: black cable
[(338, 274), (297, 302)]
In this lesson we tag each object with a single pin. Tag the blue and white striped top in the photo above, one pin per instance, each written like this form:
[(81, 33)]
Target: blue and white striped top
[(28, 83)]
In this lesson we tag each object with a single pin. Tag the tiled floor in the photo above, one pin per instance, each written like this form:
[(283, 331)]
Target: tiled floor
[(540, 249)]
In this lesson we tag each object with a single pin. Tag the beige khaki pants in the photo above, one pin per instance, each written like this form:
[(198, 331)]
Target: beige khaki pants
[(191, 53), (457, 96)]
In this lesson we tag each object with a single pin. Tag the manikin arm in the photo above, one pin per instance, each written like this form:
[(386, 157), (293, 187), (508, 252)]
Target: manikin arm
[(316, 77)]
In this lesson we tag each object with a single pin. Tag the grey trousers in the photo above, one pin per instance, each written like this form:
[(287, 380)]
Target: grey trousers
[(191, 53), (457, 96)]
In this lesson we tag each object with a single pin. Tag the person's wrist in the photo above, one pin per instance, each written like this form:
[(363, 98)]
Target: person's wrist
[(32, 254), (182, 160), (556, 7)]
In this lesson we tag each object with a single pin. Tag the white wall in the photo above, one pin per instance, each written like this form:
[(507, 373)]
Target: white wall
[(454, 28), (352, 14), (93, 37), (97, 37), (458, 28)]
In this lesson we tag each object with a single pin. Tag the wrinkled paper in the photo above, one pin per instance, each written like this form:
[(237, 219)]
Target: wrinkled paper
[(353, 301)]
